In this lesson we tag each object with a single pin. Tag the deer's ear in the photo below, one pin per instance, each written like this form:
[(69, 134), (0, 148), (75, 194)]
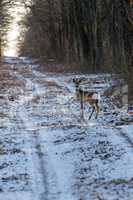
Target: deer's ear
[(74, 80)]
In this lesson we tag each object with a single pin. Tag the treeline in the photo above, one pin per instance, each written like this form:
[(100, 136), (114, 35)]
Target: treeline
[(96, 34)]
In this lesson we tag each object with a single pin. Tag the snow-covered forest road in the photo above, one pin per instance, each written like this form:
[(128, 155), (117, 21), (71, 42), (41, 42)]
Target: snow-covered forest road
[(46, 153)]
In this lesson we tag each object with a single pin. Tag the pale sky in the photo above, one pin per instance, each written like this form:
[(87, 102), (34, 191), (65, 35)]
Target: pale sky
[(12, 36)]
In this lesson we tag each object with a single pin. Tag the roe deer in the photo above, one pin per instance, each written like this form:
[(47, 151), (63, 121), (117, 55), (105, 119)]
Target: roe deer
[(85, 96)]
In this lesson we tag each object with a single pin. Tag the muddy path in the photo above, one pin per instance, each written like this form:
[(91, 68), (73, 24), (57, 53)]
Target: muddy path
[(47, 153)]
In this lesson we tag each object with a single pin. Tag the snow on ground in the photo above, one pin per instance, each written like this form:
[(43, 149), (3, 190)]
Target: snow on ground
[(47, 152)]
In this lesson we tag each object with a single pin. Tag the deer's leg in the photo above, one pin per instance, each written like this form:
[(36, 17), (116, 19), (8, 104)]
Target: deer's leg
[(93, 109), (97, 110), (82, 109)]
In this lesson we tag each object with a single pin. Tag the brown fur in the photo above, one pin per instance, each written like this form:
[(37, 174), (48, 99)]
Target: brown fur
[(86, 97)]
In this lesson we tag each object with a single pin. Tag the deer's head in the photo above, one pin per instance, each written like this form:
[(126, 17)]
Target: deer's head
[(77, 82)]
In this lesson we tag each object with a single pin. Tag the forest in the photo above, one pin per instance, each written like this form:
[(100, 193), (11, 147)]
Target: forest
[(95, 34)]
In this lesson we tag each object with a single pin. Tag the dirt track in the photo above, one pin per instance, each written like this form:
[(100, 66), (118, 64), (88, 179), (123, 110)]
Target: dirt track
[(47, 153)]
